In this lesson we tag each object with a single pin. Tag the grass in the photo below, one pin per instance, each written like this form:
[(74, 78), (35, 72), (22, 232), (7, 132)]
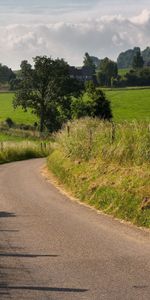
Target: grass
[(130, 104), (16, 151), (18, 115), (6, 138), (110, 174), (127, 104), (123, 72)]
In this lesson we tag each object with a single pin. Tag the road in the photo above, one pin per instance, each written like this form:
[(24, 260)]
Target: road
[(55, 248)]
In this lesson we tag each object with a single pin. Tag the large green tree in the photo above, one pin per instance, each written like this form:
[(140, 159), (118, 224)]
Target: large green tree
[(47, 89)]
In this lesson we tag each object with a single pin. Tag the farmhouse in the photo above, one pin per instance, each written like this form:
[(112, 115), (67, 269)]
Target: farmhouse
[(81, 73)]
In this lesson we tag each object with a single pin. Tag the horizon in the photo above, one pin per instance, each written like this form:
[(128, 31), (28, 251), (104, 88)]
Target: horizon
[(68, 30)]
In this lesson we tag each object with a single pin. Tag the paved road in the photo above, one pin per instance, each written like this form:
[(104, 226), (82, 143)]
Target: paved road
[(54, 248)]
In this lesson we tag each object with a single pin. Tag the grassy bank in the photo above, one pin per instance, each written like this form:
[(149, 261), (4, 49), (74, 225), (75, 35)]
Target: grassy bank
[(107, 167)]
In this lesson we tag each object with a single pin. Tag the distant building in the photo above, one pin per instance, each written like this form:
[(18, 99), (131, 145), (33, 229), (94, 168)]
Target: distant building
[(147, 64), (81, 73)]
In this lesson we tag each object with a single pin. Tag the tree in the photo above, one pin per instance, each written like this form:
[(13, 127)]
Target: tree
[(47, 89), (6, 74), (93, 103), (108, 70), (138, 61), (88, 62)]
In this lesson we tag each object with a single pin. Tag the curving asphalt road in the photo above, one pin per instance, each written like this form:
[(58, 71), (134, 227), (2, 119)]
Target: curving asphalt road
[(54, 248)]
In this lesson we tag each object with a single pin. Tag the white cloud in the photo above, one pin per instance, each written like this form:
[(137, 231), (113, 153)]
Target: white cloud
[(100, 36)]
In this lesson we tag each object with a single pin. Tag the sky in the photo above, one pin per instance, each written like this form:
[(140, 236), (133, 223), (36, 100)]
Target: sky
[(67, 29)]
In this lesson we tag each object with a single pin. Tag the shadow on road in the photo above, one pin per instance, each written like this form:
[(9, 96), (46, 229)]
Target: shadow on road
[(6, 230), (5, 214), (44, 289), (26, 255)]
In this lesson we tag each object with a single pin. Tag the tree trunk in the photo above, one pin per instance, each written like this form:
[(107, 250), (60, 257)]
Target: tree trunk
[(42, 119)]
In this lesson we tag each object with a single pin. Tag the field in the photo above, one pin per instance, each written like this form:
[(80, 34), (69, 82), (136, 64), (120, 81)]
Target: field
[(18, 115), (128, 104)]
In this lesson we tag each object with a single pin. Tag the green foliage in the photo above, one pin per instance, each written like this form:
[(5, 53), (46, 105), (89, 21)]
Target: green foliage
[(88, 62), (138, 61), (6, 74), (125, 59), (108, 70), (9, 122), (47, 89), (93, 103)]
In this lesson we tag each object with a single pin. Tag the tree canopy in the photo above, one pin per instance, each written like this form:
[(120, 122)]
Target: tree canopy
[(88, 62), (138, 61), (6, 74), (47, 89), (92, 103), (108, 70)]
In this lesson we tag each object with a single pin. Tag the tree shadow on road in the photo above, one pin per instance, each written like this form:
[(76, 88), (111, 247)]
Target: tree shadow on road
[(26, 255), (43, 289), (5, 214), (9, 230)]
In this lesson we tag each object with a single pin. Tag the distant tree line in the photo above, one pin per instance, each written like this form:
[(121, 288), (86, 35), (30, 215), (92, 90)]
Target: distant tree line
[(6, 74), (107, 74), (125, 59)]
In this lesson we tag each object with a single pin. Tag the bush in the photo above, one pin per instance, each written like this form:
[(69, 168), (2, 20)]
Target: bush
[(93, 104), (9, 122)]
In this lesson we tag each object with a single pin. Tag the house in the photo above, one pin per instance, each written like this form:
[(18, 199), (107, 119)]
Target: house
[(81, 73)]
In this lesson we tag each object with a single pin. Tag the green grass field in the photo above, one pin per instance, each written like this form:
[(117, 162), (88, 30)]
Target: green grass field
[(127, 104), (18, 115), (130, 104)]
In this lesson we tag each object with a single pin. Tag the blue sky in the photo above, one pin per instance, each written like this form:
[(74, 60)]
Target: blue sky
[(69, 28)]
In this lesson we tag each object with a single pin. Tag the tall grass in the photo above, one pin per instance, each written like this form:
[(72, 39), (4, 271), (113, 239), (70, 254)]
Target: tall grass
[(107, 166), (14, 151), (91, 138)]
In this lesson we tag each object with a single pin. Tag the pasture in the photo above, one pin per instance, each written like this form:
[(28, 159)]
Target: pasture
[(127, 105), (17, 115), (130, 104)]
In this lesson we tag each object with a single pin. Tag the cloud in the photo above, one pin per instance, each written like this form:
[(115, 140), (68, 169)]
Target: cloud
[(103, 36)]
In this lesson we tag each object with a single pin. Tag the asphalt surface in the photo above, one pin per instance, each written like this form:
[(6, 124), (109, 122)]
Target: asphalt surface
[(54, 248)]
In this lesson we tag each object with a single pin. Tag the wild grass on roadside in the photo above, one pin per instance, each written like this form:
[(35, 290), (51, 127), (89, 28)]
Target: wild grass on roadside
[(10, 151), (120, 143), (106, 166)]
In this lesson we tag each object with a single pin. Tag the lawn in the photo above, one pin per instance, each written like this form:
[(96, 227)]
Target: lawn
[(130, 104), (18, 115)]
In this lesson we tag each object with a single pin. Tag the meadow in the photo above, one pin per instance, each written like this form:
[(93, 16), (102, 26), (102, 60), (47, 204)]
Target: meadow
[(18, 115), (130, 104), (127, 105)]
